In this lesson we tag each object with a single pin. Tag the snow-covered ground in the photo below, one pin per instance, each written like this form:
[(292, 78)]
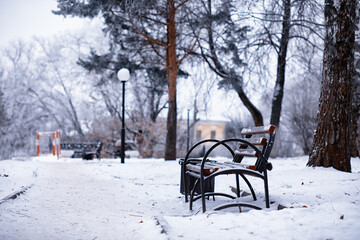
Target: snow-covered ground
[(75, 199)]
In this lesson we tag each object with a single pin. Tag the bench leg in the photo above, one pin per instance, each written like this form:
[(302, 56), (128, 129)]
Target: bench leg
[(202, 189), (266, 187), (192, 193), (237, 186), (185, 185)]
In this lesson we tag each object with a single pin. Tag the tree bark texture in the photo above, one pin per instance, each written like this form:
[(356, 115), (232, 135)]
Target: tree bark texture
[(355, 149), (355, 141), (172, 69), (281, 66), (333, 137)]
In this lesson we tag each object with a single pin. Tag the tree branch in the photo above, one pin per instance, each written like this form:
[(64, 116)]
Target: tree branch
[(190, 51), (181, 4), (146, 36)]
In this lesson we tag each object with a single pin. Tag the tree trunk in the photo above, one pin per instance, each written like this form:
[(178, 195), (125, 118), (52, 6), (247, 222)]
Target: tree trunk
[(255, 113), (221, 71), (333, 137), (172, 69), (356, 120), (355, 147), (281, 66)]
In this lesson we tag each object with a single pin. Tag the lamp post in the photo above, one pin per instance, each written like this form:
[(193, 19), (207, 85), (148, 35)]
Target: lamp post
[(123, 75), (188, 131)]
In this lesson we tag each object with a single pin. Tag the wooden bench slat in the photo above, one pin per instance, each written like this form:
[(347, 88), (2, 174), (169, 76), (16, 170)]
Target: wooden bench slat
[(197, 168), (236, 165), (258, 130), (210, 168), (245, 153), (255, 141)]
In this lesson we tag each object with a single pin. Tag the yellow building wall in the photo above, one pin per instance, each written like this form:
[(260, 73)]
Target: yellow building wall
[(207, 129)]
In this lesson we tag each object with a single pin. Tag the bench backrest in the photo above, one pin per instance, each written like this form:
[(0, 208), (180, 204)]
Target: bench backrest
[(81, 146), (261, 137)]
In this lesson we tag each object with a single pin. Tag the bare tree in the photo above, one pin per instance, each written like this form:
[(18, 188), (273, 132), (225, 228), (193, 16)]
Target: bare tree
[(58, 78), (3, 115), (41, 82), (22, 115), (4, 123), (149, 91), (199, 92), (333, 138), (221, 48), (300, 110), (275, 26)]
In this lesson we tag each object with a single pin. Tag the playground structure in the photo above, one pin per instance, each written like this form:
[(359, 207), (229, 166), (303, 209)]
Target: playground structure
[(55, 142)]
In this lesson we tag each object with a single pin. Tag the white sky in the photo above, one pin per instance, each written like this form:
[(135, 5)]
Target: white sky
[(23, 19)]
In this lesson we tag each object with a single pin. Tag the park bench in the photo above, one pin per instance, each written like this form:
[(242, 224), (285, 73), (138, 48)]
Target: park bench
[(86, 151), (198, 175)]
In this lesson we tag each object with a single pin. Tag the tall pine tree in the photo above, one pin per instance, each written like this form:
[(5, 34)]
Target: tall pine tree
[(151, 32)]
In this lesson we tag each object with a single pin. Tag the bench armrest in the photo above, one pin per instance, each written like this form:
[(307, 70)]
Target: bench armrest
[(260, 167)]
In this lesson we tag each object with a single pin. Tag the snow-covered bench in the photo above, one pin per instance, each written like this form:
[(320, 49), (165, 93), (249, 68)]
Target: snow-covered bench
[(86, 151), (256, 143)]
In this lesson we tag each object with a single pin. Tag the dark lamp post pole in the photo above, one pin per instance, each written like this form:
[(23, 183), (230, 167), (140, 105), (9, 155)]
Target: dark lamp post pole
[(123, 75), (188, 131)]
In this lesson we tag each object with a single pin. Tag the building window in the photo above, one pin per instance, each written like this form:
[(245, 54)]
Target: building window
[(213, 134), (198, 135)]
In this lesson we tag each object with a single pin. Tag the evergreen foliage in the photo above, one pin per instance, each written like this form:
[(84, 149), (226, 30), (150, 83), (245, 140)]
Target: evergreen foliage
[(146, 32)]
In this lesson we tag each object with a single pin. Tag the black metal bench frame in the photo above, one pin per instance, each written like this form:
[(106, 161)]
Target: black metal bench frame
[(205, 170), (85, 150)]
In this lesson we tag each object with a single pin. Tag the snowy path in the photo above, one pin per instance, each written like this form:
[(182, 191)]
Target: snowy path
[(74, 199), (82, 201)]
